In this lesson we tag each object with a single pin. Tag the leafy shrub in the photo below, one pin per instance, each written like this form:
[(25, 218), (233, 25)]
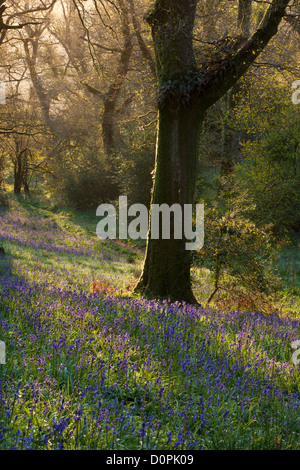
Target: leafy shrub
[(88, 184), (238, 253), (269, 168), (4, 202), (134, 169)]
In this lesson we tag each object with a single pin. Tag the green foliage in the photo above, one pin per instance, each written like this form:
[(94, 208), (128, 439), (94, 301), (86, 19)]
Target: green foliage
[(88, 184), (134, 167), (237, 249), (271, 158), (3, 199), (263, 129)]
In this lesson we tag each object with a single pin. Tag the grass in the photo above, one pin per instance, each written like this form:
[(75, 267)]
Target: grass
[(110, 371)]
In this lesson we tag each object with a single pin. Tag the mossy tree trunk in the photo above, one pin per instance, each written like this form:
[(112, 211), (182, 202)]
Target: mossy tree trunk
[(186, 92), (167, 264), (167, 267)]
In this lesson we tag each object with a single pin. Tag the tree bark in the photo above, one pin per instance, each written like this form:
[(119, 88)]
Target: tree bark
[(294, 22), (185, 93), (42, 94), (18, 175), (244, 16), (20, 164), (2, 171), (142, 45), (167, 265)]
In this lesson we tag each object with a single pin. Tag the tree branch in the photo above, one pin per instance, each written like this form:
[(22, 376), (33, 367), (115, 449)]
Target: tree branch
[(222, 77)]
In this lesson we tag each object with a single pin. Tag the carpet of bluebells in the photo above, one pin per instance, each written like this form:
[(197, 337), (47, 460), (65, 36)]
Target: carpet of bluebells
[(96, 371)]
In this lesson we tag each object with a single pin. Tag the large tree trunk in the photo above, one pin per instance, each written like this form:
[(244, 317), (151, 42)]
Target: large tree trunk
[(185, 94), (167, 265)]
